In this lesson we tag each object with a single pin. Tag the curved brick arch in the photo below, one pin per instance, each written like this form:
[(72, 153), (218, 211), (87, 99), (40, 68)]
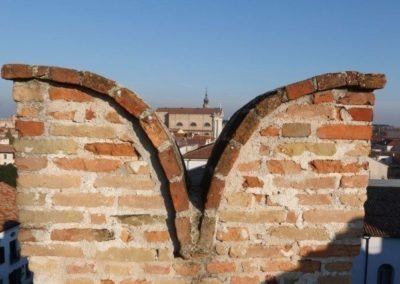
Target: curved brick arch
[(246, 121), (168, 154)]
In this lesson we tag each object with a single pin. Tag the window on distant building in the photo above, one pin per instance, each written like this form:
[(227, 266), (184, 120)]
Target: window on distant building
[(193, 124), (179, 124), (14, 252), (385, 274), (207, 124), (2, 257)]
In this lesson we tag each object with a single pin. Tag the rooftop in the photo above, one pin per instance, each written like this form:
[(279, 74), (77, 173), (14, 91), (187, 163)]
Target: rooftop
[(8, 208), (189, 110)]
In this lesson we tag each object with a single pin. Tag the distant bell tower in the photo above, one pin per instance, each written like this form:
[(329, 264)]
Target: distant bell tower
[(205, 101)]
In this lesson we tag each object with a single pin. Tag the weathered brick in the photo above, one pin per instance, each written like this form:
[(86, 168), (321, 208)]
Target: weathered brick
[(337, 166), (186, 268), (314, 199), (69, 95), (296, 149), (48, 181), (215, 192), (329, 250), (98, 218), (141, 202), (83, 199), (249, 166), (300, 89), (261, 216), (90, 114), (269, 131), (154, 130), (28, 92), (64, 75), (250, 181), (104, 132), (30, 163), (16, 71), (96, 82), (283, 167), (53, 216), (234, 234), (245, 280), (306, 183), (127, 182), (332, 216), (338, 266), (348, 132), (113, 117), (323, 97), (156, 269), (126, 254), (372, 81), (62, 115), (296, 130), (169, 162), (246, 128), (48, 146), (29, 128), (130, 101), (227, 159), (27, 112), (81, 268), (141, 219), (156, 236), (358, 149), (307, 266), (220, 267), (61, 250), (266, 251), (76, 235), (90, 165), (111, 149), (353, 98), (293, 233), (182, 225), (242, 199), (269, 103), (361, 114), (26, 235), (30, 198), (310, 111), (264, 150), (331, 80), (179, 195), (354, 181), (353, 200)]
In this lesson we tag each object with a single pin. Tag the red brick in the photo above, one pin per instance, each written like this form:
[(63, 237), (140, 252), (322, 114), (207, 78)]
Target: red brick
[(90, 114), (90, 165), (111, 149), (372, 81), (306, 266), (300, 89), (323, 97), (269, 103), (130, 102), (314, 199), (220, 267), (215, 192), (28, 112), (169, 162), (306, 183), (81, 268), (154, 130), (269, 131), (250, 181), (69, 95), (353, 98), (249, 166), (64, 75), (182, 225), (16, 71), (98, 219), (348, 132), (234, 234), (361, 114), (29, 128), (62, 115), (227, 159), (179, 196), (267, 251), (156, 236), (246, 128), (332, 216), (336, 166), (140, 201), (113, 117), (283, 167), (96, 82)]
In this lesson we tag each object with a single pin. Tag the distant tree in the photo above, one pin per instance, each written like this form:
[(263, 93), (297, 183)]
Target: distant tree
[(8, 174), (10, 136)]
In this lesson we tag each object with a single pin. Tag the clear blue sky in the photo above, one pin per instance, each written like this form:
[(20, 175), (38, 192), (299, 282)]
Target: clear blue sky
[(170, 51)]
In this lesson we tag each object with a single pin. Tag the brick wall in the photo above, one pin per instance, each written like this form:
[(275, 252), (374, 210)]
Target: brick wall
[(102, 195)]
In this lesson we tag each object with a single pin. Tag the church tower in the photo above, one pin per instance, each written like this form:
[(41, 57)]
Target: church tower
[(205, 101)]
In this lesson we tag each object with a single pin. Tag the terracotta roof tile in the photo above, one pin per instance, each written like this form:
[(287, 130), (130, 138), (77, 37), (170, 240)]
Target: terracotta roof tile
[(8, 207), (6, 148), (203, 152), (189, 110)]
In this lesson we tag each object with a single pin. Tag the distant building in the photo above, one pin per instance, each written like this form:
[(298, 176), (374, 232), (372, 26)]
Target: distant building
[(205, 121), (13, 268), (6, 154), (198, 157)]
